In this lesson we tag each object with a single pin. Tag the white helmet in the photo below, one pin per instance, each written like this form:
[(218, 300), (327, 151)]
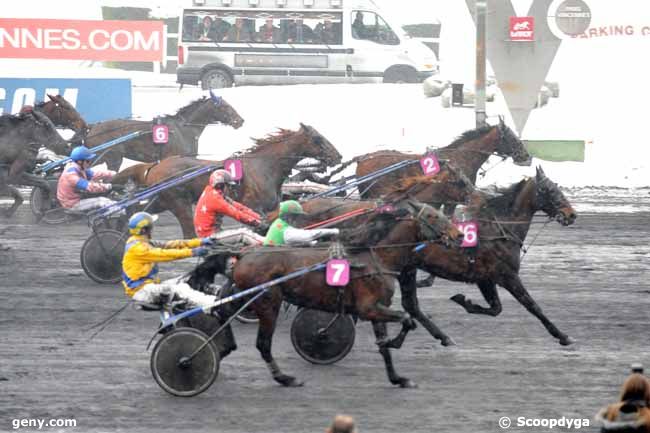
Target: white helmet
[(220, 177)]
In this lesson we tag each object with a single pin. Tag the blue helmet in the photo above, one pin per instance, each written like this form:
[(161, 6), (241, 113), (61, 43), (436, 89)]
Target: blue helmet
[(81, 153), (140, 221)]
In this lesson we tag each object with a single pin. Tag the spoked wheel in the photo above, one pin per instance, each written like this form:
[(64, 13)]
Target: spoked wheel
[(40, 202), (322, 338), (247, 316), (101, 256), (175, 372)]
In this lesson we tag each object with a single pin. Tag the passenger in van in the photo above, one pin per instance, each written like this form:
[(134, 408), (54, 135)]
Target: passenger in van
[(219, 29), (238, 32), (298, 32), (206, 25), (268, 32), (359, 29), (327, 33)]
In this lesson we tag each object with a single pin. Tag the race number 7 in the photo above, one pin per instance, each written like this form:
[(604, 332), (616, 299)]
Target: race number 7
[(235, 168), (430, 165), (338, 272)]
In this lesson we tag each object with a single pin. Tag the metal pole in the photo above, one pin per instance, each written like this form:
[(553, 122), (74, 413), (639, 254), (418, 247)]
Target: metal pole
[(481, 25)]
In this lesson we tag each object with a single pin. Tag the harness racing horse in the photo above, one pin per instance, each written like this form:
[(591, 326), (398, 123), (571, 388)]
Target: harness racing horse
[(265, 167), (467, 153), (20, 138), (503, 224), (63, 114), (185, 127), (380, 249)]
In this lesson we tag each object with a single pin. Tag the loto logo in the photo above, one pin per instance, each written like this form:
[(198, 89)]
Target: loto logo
[(522, 28)]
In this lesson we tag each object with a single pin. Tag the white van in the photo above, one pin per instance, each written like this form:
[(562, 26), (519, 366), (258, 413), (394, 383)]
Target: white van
[(226, 42)]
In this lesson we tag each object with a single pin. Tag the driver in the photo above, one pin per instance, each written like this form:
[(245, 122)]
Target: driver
[(282, 231), (140, 264), (78, 177)]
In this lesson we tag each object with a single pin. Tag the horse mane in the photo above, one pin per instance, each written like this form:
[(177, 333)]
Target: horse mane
[(272, 138), (469, 135), (407, 185), (189, 107), (506, 197), (10, 120), (372, 232)]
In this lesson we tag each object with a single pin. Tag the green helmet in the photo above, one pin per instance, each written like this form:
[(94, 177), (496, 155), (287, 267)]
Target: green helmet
[(290, 207)]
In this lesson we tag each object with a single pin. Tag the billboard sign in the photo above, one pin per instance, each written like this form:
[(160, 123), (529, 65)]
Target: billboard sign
[(135, 41), (95, 99)]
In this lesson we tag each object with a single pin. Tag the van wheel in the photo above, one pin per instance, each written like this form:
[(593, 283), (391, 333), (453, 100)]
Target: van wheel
[(216, 79), (400, 75)]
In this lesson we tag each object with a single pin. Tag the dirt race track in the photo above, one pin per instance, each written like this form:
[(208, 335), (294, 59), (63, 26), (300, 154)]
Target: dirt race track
[(590, 279)]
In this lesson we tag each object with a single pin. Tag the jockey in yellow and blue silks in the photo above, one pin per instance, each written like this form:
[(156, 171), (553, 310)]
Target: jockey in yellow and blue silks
[(140, 264)]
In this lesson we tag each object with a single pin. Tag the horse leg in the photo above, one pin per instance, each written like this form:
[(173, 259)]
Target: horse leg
[(381, 334), (514, 285), (182, 210), (13, 193), (381, 313), (490, 294), (427, 282), (267, 312), (112, 158), (411, 305)]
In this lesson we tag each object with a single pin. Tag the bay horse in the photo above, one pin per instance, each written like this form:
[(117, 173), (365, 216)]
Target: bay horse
[(20, 138), (266, 165), (185, 128), (63, 114), (467, 153), (378, 250), (503, 224)]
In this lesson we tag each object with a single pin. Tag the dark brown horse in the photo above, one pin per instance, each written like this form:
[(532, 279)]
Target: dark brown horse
[(185, 128), (63, 114), (378, 251), (265, 166), (20, 138), (503, 223), (467, 153)]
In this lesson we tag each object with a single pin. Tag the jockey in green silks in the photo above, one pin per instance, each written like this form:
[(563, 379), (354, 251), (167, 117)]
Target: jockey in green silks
[(282, 232)]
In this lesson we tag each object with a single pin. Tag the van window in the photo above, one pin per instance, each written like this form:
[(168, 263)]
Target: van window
[(272, 27), (370, 26)]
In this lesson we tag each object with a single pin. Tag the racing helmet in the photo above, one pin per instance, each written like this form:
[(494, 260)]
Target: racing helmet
[(220, 177), (140, 221), (81, 153), (290, 207)]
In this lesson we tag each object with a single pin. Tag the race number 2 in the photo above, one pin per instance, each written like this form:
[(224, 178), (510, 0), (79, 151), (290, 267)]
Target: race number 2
[(337, 272), (160, 134), (235, 168), (470, 232), (430, 165)]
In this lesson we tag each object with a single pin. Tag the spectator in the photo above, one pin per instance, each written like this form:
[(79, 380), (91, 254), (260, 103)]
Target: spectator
[(327, 33), (219, 29), (632, 413), (298, 32), (268, 32), (342, 424), (359, 30), (238, 32), (204, 34)]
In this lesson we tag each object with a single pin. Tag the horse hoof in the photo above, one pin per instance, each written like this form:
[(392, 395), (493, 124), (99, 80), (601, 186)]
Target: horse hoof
[(448, 341), (288, 381), (567, 341), (407, 383), (459, 299)]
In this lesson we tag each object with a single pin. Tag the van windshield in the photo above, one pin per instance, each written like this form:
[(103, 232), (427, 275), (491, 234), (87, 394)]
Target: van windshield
[(258, 26), (370, 26)]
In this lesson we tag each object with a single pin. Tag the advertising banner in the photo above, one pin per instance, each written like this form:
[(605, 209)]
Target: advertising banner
[(95, 99), (135, 41)]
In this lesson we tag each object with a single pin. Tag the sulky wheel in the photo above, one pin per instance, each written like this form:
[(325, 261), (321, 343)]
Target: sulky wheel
[(101, 256), (247, 316), (318, 343), (39, 201), (175, 372)]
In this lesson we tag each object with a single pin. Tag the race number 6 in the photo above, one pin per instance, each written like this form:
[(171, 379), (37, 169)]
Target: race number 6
[(470, 232), (160, 134), (430, 165), (235, 168), (337, 272)]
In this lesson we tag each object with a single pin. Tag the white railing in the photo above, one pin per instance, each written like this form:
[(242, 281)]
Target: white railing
[(158, 66)]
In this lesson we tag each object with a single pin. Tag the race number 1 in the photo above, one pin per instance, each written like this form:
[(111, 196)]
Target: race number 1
[(470, 232), (430, 165), (338, 272), (160, 134), (235, 168)]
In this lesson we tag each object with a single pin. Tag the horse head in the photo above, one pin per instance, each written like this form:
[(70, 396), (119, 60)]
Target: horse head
[(319, 147), (224, 112), (510, 145), (434, 225), (63, 114), (45, 134), (205, 111), (551, 200)]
